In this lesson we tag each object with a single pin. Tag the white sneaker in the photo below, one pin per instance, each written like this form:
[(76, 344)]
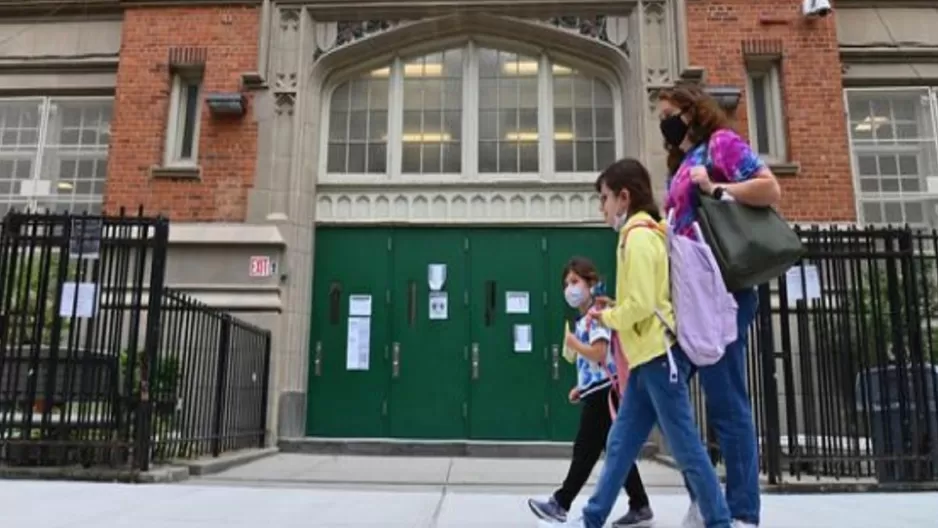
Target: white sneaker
[(743, 524), (693, 518)]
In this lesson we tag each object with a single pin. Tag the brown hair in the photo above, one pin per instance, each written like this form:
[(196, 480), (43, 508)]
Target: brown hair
[(583, 267), (706, 117), (631, 175)]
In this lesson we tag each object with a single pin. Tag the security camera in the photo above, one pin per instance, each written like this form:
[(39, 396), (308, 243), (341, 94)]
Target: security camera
[(816, 8)]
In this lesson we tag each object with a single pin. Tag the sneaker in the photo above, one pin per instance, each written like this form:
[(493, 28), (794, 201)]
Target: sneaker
[(548, 510), (640, 518), (693, 518), (743, 524)]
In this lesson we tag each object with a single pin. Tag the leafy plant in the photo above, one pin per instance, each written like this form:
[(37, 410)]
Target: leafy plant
[(165, 380), (33, 299)]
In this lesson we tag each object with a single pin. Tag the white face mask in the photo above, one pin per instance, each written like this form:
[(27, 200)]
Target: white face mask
[(619, 222), (574, 295)]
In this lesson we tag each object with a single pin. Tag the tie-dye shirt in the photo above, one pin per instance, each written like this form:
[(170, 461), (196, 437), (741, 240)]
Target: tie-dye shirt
[(731, 160)]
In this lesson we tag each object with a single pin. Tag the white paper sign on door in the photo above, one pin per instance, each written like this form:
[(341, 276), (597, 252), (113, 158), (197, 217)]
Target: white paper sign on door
[(517, 302), (359, 305), (78, 300), (439, 306), (436, 276), (358, 344), (523, 338)]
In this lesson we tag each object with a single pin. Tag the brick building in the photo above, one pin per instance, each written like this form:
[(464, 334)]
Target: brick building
[(376, 151)]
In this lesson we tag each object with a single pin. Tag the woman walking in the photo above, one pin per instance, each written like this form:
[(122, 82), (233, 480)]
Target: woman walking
[(590, 341), (705, 153)]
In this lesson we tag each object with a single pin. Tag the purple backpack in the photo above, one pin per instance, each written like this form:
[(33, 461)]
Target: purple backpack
[(704, 309)]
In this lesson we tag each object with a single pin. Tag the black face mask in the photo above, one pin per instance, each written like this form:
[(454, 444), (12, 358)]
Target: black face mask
[(674, 129)]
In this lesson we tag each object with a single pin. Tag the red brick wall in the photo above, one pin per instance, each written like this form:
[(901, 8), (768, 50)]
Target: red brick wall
[(812, 93), (227, 147)]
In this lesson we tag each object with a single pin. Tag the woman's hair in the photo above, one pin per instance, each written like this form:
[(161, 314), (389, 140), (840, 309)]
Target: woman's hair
[(583, 267), (706, 117), (631, 175)]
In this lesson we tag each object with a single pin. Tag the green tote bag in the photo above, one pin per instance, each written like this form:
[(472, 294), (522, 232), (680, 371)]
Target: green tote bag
[(752, 245)]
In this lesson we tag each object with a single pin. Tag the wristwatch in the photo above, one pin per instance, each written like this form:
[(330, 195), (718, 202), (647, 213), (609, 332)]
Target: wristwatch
[(717, 192)]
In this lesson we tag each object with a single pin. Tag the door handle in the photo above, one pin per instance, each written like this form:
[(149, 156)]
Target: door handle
[(395, 360), (475, 361), (555, 361), (317, 361)]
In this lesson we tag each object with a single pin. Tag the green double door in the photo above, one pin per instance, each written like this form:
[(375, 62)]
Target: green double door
[(463, 331)]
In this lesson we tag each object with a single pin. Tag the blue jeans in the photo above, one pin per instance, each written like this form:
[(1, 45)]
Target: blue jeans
[(730, 414), (656, 393)]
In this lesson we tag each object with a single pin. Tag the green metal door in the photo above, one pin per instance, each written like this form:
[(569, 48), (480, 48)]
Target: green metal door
[(430, 334), (348, 388), (597, 245), (508, 351)]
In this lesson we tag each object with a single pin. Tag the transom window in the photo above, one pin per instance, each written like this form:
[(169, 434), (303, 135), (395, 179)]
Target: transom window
[(472, 110), (895, 155), (53, 153)]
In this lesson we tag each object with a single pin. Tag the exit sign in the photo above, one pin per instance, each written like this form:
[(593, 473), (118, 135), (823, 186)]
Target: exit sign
[(262, 267)]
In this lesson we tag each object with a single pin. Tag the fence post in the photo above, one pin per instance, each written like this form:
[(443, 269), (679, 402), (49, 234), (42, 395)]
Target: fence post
[(221, 379), (265, 396), (771, 444), (144, 425)]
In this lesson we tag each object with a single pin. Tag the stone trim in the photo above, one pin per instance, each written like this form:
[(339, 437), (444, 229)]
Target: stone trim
[(784, 169), (888, 54), (214, 233), (336, 10)]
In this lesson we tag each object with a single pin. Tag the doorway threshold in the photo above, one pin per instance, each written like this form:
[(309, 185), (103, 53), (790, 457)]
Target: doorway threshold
[(431, 448)]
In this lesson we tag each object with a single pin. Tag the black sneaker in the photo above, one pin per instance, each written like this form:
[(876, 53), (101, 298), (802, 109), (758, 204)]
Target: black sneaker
[(548, 510), (640, 518)]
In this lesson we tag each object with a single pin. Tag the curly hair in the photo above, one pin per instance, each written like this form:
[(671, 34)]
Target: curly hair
[(706, 117)]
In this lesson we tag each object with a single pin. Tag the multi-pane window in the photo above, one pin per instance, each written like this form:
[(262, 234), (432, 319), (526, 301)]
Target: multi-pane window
[(584, 130), (508, 101), (53, 153), (472, 110), (433, 113), (358, 125), (895, 155)]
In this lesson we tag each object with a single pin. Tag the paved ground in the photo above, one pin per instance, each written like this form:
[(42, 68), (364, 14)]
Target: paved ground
[(30, 504), (422, 472)]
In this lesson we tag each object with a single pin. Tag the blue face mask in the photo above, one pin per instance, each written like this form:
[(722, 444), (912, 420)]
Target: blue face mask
[(574, 295)]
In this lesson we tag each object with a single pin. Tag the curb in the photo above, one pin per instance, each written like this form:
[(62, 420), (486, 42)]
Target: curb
[(178, 471), (404, 448), (805, 487)]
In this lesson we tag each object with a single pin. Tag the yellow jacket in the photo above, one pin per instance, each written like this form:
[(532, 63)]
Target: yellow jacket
[(642, 286)]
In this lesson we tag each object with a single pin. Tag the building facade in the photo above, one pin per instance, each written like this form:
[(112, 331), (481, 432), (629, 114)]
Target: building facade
[(416, 172)]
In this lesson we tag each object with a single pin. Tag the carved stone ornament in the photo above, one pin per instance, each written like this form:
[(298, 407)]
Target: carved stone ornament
[(609, 29), (332, 35), (284, 103)]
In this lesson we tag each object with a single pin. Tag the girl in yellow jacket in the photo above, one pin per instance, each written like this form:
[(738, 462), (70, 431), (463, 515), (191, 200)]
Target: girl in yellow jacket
[(657, 391)]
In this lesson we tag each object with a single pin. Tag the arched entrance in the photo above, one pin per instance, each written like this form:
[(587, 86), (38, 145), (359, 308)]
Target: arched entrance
[(467, 142)]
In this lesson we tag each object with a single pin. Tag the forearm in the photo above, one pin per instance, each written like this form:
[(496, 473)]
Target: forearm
[(761, 191)]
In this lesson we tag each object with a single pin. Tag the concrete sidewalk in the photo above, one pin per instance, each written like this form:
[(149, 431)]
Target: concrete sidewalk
[(424, 472), (90, 505)]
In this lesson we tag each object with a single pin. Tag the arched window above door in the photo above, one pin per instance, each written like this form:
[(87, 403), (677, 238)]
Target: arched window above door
[(470, 111)]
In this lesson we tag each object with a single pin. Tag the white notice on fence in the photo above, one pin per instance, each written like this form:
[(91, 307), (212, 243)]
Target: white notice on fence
[(809, 290), (78, 300), (358, 345)]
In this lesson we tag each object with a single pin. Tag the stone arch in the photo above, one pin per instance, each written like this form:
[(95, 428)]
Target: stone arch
[(592, 55)]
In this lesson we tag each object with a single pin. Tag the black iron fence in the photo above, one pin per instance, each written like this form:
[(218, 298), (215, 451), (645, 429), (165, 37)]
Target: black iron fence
[(843, 371), (102, 365)]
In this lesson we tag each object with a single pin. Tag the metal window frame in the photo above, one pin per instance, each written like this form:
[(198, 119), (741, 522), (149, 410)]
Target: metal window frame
[(857, 149), (470, 109), (31, 202), (777, 140)]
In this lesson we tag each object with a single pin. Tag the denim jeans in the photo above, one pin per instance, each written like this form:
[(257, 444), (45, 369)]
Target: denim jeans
[(730, 413), (656, 393)]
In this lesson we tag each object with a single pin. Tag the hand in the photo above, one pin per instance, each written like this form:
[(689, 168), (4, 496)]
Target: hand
[(574, 395), (571, 340), (699, 176), (595, 313), (603, 301)]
